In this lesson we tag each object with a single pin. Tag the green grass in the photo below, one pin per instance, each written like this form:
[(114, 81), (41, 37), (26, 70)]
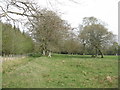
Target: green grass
[(61, 71)]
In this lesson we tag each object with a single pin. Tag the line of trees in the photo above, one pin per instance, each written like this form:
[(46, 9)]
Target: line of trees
[(49, 33), (14, 41)]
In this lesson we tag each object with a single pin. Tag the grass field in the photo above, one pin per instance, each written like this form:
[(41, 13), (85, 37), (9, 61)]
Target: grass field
[(61, 71)]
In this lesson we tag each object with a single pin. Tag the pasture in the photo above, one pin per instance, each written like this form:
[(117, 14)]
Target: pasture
[(61, 71)]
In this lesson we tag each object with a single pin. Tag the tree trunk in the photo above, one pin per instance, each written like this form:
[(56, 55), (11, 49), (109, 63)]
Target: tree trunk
[(83, 49), (100, 53), (83, 53), (96, 53), (43, 53), (49, 54)]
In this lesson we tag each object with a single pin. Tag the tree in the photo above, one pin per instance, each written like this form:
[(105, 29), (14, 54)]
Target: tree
[(71, 46), (112, 49), (86, 21), (95, 35), (26, 8), (48, 30), (82, 36)]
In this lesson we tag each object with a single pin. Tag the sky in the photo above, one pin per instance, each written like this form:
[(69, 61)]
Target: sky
[(105, 10)]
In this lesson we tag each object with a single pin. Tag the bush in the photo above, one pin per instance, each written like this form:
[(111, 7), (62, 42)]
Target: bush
[(34, 55)]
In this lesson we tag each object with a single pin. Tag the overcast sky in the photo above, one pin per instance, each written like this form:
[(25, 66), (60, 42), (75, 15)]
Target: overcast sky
[(106, 10)]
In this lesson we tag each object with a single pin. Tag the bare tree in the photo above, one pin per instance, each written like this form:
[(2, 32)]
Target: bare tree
[(18, 7), (21, 7), (48, 30)]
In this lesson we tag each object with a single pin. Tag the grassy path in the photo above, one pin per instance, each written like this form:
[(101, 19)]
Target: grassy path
[(61, 71)]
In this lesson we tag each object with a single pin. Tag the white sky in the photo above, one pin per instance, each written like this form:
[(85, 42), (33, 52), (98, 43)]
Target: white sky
[(106, 10)]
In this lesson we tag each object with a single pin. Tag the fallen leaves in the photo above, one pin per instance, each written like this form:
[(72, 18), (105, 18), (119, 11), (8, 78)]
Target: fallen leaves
[(108, 78)]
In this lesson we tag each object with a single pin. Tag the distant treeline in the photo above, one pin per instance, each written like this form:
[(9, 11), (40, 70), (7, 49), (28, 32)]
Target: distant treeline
[(113, 49), (18, 43)]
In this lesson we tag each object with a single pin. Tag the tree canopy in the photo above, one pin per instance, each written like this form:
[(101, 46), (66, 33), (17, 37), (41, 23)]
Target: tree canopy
[(48, 30), (95, 35)]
